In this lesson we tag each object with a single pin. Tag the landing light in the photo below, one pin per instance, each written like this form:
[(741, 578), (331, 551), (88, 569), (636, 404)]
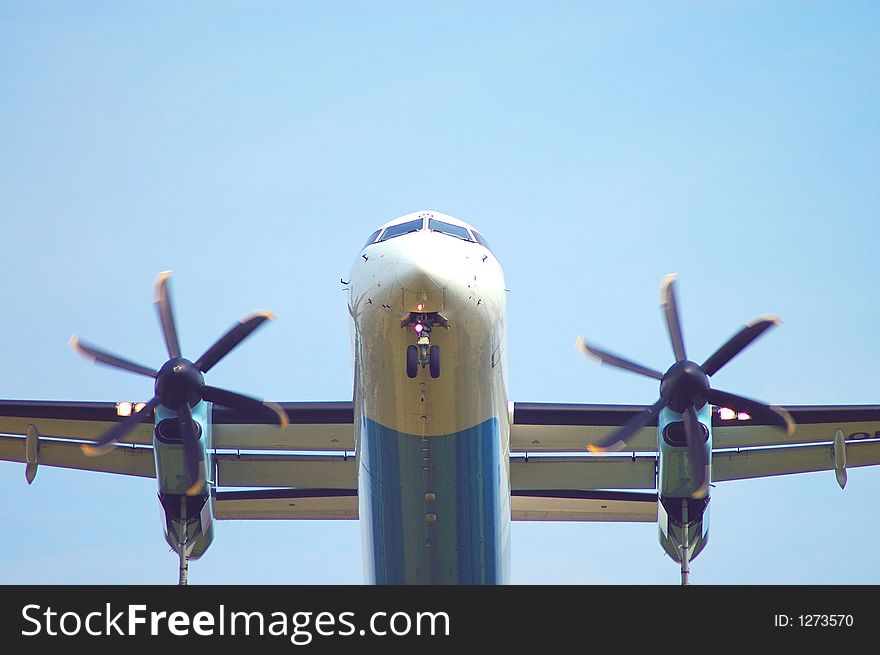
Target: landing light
[(123, 409), (138, 407), (727, 414), (418, 328)]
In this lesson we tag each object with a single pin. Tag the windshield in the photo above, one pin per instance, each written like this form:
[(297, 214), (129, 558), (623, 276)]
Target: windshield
[(403, 228), (450, 229), (482, 240), (371, 238)]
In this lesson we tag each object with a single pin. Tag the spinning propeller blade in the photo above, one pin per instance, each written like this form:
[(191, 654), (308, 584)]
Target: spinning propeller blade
[(231, 339), (737, 343), (611, 359), (617, 439), (194, 456), (693, 432), (103, 357), (180, 386), (775, 416), (685, 388), (670, 311), (166, 315), (267, 411)]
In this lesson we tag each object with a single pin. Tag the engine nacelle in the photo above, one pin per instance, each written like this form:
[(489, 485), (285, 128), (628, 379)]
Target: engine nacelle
[(683, 521), (675, 516), (187, 520), (168, 448)]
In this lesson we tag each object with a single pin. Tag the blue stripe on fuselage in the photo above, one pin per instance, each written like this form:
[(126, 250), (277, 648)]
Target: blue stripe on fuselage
[(431, 506)]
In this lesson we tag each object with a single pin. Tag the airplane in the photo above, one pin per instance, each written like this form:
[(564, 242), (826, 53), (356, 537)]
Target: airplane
[(442, 460)]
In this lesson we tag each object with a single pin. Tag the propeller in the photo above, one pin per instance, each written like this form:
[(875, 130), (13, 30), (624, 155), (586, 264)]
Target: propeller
[(685, 388), (180, 385)]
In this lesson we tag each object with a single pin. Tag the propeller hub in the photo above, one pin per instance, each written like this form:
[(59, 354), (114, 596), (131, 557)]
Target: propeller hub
[(684, 385), (179, 382)]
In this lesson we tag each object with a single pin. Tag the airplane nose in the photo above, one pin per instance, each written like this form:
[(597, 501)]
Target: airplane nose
[(424, 276), (423, 271)]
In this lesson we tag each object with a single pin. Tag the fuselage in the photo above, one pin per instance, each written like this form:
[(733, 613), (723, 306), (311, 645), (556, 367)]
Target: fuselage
[(432, 428)]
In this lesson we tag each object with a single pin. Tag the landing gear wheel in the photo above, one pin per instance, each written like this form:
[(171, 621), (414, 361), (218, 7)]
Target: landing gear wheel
[(434, 361), (412, 361)]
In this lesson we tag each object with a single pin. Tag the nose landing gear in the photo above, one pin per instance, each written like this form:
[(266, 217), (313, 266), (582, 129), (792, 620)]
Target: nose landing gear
[(423, 353)]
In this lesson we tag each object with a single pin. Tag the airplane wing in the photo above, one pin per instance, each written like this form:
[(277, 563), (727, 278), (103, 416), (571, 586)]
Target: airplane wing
[(556, 427), (549, 427), (320, 426), (77, 421), (49, 433), (742, 448), (124, 460), (814, 424), (766, 462), (308, 471)]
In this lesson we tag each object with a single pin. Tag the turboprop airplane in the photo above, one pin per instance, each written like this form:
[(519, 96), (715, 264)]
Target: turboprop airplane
[(441, 461)]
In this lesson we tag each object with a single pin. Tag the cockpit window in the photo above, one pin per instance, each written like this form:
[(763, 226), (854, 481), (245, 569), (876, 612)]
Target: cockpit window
[(482, 240), (450, 229), (372, 238), (401, 229)]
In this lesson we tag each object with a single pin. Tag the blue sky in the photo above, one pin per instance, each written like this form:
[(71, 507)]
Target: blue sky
[(252, 147)]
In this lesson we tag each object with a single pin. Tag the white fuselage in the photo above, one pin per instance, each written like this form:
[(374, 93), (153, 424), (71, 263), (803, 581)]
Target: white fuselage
[(433, 481)]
